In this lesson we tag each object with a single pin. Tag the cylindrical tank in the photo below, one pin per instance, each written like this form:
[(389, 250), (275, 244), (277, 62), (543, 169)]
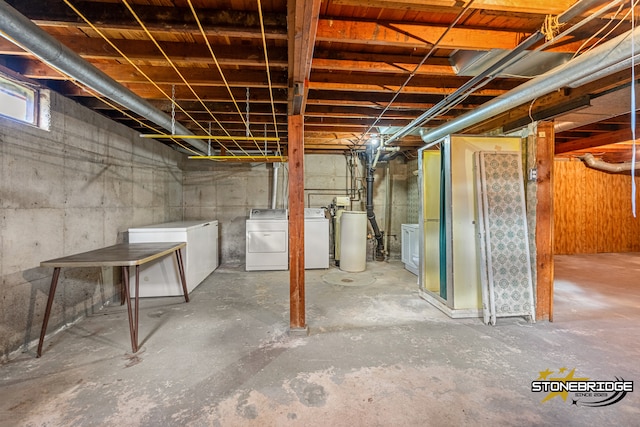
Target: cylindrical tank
[(353, 241), (336, 238)]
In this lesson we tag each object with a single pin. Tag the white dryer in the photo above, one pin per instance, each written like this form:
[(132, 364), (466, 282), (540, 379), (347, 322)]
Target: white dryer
[(267, 240)]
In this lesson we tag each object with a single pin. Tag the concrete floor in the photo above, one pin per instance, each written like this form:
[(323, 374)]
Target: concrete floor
[(377, 355)]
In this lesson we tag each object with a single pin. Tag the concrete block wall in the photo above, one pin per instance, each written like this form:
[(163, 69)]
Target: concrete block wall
[(75, 187), (325, 177), (413, 196), (400, 177)]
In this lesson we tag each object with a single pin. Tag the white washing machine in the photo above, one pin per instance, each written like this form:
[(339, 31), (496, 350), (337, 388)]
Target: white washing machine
[(267, 240), (316, 238)]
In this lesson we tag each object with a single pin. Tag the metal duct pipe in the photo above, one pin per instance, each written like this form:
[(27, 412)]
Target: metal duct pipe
[(379, 254), (387, 208), (516, 53), (594, 163), (609, 54), (20, 30), (274, 188)]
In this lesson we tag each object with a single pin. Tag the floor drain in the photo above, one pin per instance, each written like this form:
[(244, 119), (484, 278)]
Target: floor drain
[(341, 279)]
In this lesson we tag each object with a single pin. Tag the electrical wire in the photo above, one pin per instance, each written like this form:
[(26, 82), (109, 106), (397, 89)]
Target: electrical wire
[(455, 98), (359, 142), (122, 111), (115, 107), (224, 79), (597, 33), (232, 156), (124, 56), (620, 21), (184, 80), (266, 59)]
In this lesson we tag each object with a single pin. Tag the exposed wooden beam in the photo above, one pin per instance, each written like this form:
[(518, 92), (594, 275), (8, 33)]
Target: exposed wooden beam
[(412, 56), (613, 153), (303, 24), (398, 78), (393, 88), (115, 16), (595, 141), (542, 7), (230, 118), (381, 66), (142, 50), (624, 153), (209, 93), (195, 76), (297, 314), (413, 35), (544, 141)]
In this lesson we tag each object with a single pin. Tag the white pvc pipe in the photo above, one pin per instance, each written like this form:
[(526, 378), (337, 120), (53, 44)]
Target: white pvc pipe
[(594, 163), (274, 188)]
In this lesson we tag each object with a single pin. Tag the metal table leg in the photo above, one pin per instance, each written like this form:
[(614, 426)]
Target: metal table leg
[(182, 278), (127, 295), (137, 310), (47, 312)]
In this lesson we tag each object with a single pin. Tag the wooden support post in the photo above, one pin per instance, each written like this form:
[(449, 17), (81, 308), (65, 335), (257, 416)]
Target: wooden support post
[(544, 220), (296, 224)]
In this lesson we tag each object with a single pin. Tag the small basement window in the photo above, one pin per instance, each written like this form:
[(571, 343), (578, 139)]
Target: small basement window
[(18, 101)]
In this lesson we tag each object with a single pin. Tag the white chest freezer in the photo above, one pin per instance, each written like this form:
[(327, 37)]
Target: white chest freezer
[(200, 257)]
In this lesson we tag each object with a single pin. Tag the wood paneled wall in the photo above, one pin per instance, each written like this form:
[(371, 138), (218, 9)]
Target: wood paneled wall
[(592, 210)]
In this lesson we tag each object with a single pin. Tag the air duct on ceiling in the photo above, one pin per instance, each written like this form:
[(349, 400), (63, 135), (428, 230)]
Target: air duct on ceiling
[(612, 55), (20, 30), (491, 69)]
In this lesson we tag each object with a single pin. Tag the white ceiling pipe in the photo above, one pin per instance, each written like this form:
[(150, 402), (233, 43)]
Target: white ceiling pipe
[(20, 30), (613, 55), (594, 163)]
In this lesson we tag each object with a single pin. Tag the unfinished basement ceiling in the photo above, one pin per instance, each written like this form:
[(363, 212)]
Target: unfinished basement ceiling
[(346, 64)]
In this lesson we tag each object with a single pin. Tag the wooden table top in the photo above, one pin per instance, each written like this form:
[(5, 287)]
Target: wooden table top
[(123, 254)]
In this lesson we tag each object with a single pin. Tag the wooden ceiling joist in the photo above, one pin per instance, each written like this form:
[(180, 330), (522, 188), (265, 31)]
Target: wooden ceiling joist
[(341, 63)]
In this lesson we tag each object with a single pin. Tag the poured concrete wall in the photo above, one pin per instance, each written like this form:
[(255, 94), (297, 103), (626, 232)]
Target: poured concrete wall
[(228, 191), (74, 188)]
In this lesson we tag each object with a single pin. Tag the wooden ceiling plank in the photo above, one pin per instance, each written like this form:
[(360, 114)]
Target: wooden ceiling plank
[(432, 90), (115, 16), (595, 141), (397, 79), (540, 7), (165, 75), (141, 50), (207, 93), (394, 34), (380, 67)]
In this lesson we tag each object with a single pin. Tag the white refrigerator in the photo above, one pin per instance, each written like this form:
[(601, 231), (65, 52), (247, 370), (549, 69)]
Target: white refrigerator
[(200, 257)]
